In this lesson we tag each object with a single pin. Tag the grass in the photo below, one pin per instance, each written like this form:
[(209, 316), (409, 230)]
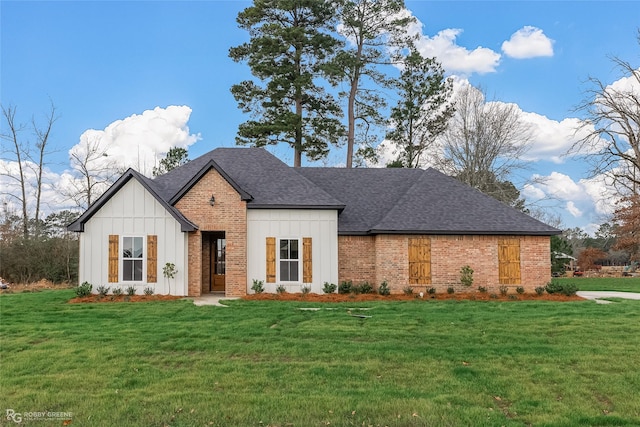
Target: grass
[(414, 363), (621, 284)]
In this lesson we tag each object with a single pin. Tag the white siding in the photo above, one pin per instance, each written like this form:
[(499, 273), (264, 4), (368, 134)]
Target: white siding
[(320, 225), (133, 211)]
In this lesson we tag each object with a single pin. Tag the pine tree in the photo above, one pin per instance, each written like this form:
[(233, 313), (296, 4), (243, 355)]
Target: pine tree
[(289, 46)]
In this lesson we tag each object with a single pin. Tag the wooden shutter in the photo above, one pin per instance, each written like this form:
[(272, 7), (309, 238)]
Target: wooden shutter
[(509, 261), (271, 260), (307, 265), (114, 240), (152, 259), (419, 261)]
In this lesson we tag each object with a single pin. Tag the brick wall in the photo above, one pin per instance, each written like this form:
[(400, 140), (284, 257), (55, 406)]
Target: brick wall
[(229, 214), (448, 255)]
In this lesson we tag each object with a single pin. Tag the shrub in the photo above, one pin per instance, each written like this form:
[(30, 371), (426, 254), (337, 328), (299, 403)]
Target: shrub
[(520, 290), (117, 292), (482, 289), (148, 290), (450, 290), (466, 275), (84, 290), (345, 287), (281, 289), (383, 289), (103, 290), (329, 288), (431, 290), (555, 287), (493, 295), (130, 291), (513, 297), (503, 290), (257, 286), (569, 289), (407, 290), (362, 288), (539, 290), (305, 289)]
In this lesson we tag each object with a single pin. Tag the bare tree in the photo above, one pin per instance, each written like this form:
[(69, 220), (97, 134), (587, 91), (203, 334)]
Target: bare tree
[(93, 172), (42, 138), (612, 128), (17, 149), (484, 143)]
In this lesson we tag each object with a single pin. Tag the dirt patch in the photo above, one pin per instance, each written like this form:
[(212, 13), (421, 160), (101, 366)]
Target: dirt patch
[(34, 287), (476, 296), (123, 298)]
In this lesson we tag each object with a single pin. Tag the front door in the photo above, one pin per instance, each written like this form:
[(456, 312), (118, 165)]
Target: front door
[(219, 248)]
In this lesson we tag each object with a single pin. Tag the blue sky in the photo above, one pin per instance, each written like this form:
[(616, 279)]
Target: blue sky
[(103, 64)]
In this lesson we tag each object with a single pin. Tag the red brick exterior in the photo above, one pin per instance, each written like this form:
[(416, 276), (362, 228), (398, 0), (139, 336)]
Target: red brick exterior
[(229, 214), (448, 255)]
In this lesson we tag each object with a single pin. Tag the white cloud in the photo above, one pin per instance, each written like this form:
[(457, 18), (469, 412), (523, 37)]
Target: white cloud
[(140, 140), (573, 210), (457, 59), (528, 42)]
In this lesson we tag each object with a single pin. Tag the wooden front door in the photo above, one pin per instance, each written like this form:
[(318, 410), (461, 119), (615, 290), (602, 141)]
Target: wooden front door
[(218, 259)]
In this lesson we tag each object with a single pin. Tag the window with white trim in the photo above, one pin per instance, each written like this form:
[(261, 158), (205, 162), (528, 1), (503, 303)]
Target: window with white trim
[(132, 259), (289, 260)]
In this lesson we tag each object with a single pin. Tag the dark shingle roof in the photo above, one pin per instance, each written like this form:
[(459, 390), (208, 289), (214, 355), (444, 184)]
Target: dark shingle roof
[(370, 201), (418, 201), (264, 180)]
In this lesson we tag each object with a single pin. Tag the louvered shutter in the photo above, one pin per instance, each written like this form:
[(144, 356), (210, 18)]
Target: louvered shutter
[(152, 259), (307, 265), (271, 260), (114, 240)]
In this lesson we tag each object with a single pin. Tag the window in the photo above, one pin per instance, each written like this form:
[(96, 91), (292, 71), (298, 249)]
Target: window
[(289, 260), (132, 259)]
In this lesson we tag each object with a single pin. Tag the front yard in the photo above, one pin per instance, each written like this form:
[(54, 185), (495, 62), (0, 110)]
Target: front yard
[(403, 363)]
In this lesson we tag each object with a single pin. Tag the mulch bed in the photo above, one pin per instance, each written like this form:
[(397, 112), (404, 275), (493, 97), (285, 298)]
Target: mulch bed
[(401, 297), (123, 298)]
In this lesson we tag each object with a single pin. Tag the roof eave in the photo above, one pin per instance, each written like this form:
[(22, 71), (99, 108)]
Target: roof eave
[(286, 206)]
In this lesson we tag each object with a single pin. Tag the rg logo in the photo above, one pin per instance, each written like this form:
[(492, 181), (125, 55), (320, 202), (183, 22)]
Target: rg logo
[(14, 416)]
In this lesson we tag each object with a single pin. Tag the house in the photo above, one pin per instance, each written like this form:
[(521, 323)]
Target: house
[(235, 215)]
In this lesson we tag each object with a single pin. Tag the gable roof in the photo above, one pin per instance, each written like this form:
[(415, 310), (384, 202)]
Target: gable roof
[(259, 177), (149, 185), (416, 201), (370, 201)]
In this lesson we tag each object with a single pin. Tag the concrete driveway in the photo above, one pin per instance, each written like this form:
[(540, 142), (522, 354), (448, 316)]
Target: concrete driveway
[(597, 295)]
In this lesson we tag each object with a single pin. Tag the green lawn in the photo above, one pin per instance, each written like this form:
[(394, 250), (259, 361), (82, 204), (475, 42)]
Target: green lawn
[(422, 363), (622, 284)]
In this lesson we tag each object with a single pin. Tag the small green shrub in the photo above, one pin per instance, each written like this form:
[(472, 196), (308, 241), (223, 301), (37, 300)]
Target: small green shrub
[(102, 290), (329, 288), (362, 288), (407, 290), (466, 275), (482, 289), (539, 290), (569, 289), (520, 290), (257, 286), (503, 290), (117, 292), (513, 297), (130, 291), (84, 290), (345, 287), (553, 287), (306, 289), (431, 290), (383, 289), (450, 290), (281, 289), (148, 290), (493, 295)]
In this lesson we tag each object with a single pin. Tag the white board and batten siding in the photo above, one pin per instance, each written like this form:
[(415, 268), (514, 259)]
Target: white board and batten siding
[(133, 211), (320, 225)]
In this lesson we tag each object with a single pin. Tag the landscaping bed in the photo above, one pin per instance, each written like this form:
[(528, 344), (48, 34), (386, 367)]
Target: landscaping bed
[(471, 296)]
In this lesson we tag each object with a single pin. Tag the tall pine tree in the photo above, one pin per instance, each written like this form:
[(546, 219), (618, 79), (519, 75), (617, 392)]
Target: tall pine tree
[(423, 110), (290, 43)]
